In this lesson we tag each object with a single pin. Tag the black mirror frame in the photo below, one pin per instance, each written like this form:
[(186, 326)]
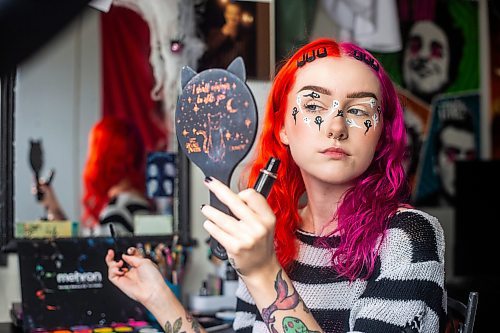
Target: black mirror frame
[(7, 99), (7, 126)]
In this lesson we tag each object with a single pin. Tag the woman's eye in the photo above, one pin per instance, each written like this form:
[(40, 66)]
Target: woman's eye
[(313, 107), (358, 112)]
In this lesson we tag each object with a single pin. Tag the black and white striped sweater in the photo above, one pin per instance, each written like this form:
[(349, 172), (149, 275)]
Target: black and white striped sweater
[(405, 294)]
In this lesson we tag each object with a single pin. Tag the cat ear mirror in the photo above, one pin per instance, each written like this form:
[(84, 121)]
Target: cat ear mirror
[(216, 123)]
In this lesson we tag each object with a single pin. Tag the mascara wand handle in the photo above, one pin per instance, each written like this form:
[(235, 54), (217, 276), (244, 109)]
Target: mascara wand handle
[(267, 176)]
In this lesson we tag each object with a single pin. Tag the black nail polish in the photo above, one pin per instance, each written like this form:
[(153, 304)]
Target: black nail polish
[(208, 179), (201, 207)]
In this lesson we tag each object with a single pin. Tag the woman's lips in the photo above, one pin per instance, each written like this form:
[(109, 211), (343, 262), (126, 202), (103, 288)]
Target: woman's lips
[(336, 153)]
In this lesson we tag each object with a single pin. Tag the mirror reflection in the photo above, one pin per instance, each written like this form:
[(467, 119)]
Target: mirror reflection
[(97, 103), (113, 180)]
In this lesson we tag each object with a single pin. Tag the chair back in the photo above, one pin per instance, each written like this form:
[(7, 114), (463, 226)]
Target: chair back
[(461, 316)]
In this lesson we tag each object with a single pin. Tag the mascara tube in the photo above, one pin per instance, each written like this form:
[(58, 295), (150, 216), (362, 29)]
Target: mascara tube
[(118, 253), (115, 243), (267, 176)]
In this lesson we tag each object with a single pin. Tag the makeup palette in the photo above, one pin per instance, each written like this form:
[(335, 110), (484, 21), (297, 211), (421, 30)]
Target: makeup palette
[(65, 289)]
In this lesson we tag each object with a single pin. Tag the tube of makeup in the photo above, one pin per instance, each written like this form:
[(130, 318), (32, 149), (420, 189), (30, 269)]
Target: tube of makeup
[(267, 177), (118, 254), (115, 244)]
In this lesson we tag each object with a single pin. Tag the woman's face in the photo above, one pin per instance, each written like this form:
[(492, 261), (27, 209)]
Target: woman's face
[(334, 119)]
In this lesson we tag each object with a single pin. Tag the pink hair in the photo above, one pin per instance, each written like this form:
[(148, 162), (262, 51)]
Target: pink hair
[(366, 207)]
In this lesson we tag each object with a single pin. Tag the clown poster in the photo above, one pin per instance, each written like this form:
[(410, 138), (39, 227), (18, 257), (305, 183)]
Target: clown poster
[(440, 48), (440, 55)]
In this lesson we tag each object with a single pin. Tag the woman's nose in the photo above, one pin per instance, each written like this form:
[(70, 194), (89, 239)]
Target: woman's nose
[(337, 127)]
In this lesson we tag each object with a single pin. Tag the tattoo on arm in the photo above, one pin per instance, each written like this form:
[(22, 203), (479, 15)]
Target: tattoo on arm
[(292, 324), (194, 323), (283, 301), (233, 263), (168, 328)]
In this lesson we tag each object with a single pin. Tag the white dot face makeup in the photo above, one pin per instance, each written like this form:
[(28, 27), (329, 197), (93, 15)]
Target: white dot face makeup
[(333, 105), (316, 105)]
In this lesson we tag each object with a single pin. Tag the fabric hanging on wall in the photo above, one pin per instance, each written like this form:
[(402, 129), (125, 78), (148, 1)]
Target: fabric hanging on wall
[(294, 21), (127, 78), (372, 24), (173, 44)]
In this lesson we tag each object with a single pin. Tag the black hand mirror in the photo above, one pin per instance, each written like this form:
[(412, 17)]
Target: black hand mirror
[(216, 124), (36, 162)]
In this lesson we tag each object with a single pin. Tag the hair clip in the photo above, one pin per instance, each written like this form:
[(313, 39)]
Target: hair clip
[(319, 53), (361, 56)]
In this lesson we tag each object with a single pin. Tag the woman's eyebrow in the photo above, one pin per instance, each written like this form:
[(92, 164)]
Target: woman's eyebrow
[(361, 94), (319, 89)]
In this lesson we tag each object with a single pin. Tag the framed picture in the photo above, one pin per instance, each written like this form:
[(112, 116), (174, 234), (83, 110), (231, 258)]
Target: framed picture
[(238, 28)]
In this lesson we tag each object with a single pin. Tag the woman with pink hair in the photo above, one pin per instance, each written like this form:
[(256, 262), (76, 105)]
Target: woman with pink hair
[(335, 247)]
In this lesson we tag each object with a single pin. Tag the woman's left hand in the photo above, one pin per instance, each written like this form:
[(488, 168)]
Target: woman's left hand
[(248, 236)]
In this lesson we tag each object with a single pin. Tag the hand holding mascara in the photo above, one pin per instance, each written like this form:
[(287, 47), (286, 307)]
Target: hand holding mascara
[(118, 254), (263, 185)]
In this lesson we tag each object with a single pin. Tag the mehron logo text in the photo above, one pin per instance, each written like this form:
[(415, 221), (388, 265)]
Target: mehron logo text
[(77, 280), (77, 277)]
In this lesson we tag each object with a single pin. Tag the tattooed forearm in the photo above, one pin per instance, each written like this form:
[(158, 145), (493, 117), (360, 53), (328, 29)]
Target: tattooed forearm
[(283, 301), (292, 324), (168, 328), (194, 323)]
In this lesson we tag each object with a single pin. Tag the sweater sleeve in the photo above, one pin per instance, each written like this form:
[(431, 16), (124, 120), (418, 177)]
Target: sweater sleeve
[(246, 310), (406, 293)]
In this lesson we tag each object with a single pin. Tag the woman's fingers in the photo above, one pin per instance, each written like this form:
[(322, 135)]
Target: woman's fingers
[(253, 215), (248, 205), (114, 267), (224, 221), (220, 235), (132, 260), (109, 257), (228, 197), (258, 204), (132, 251)]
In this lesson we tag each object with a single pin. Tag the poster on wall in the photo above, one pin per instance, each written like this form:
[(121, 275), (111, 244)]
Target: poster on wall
[(416, 115), (453, 135), (440, 48), (233, 29), (440, 55)]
